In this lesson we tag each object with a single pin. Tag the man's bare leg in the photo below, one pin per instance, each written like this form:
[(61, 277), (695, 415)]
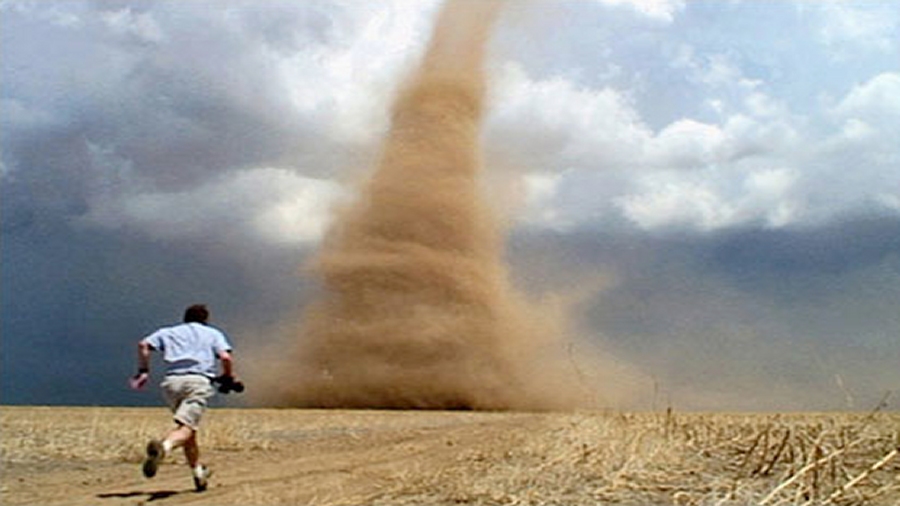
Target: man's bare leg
[(186, 437), (192, 450), (180, 436)]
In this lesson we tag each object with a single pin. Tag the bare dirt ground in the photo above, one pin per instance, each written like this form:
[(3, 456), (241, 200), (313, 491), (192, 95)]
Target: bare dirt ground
[(92, 456)]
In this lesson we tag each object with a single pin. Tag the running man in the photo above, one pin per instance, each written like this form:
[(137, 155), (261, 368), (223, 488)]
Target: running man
[(190, 351)]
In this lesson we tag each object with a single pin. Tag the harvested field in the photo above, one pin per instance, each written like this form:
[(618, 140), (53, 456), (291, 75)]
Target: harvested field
[(92, 456)]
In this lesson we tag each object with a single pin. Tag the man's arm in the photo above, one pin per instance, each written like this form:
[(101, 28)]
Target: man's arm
[(143, 361), (144, 350), (227, 363)]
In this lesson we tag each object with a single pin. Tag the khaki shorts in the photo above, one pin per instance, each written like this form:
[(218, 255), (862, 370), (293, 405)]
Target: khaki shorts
[(187, 396)]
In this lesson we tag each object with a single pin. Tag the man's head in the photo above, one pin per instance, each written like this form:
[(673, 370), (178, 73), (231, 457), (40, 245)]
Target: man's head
[(197, 313)]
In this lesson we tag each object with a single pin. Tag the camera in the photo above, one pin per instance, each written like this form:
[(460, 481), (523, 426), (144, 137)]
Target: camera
[(227, 384)]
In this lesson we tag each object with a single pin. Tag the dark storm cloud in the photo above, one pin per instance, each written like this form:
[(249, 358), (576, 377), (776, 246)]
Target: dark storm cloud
[(76, 301), (104, 101), (750, 319), (194, 100), (152, 153), (157, 154)]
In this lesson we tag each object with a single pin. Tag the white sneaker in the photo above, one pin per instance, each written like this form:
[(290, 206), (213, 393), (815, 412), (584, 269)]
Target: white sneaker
[(201, 477), (156, 452)]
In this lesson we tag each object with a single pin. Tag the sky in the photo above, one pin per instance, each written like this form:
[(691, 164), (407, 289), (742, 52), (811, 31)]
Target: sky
[(717, 183)]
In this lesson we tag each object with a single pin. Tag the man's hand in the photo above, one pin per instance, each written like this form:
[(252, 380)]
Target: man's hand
[(138, 381), (228, 384)]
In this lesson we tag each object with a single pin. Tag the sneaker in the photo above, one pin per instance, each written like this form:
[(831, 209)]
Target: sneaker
[(201, 478), (155, 455)]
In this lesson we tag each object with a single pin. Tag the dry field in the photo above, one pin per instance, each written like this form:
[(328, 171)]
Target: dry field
[(84, 456)]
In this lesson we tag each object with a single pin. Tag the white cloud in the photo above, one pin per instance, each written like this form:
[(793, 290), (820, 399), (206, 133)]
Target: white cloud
[(761, 105), (867, 119), (715, 70), (301, 213), (668, 202), (846, 27), (353, 79), (748, 137), (140, 26), (58, 14), (709, 200), (541, 190), (553, 124), (768, 196), (890, 201), (271, 205), (685, 143), (855, 166), (662, 10), (588, 154), (207, 96), (559, 133), (719, 71), (856, 130), (878, 99), (25, 115)]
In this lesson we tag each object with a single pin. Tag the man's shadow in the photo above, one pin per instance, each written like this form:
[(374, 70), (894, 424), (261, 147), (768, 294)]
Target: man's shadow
[(151, 496)]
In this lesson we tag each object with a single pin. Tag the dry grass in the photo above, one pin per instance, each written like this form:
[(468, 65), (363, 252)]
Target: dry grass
[(402, 458), (686, 459), (92, 434)]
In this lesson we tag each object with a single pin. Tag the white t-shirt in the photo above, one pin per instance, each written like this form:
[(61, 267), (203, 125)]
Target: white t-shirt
[(189, 348)]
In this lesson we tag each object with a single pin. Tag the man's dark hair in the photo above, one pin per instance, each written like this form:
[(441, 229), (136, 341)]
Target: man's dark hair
[(197, 313)]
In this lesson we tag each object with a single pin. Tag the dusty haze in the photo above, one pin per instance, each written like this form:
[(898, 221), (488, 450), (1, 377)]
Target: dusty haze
[(416, 309)]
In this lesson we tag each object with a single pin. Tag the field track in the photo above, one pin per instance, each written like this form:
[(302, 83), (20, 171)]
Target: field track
[(92, 456)]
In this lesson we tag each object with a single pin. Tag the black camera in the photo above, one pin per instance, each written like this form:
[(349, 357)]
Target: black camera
[(227, 384)]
